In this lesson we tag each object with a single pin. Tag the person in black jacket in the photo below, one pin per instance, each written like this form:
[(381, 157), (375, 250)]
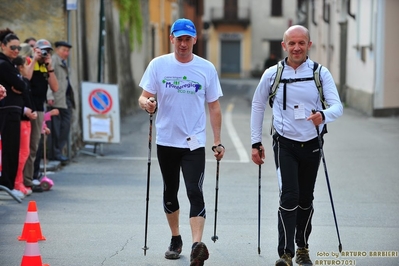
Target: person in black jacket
[(11, 108)]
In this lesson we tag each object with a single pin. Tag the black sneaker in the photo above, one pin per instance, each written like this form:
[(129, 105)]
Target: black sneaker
[(285, 260), (37, 188), (199, 254), (302, 257), (174, 249)]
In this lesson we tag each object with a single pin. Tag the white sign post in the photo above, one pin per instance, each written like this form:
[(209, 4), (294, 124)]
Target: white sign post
[(100, 113)]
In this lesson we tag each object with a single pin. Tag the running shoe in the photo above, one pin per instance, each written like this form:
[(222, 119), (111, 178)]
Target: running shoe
[(199, 254), (302, 257), (18, 193), (285, 260), (174, 249)]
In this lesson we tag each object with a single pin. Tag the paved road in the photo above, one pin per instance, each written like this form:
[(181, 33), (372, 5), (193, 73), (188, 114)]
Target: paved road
[(95, 213)]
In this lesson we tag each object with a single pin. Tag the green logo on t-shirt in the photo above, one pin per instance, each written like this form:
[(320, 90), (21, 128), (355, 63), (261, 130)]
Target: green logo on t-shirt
[(182, 84)]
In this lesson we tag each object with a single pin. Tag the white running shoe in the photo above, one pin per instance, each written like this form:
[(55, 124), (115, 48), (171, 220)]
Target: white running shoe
[(18, 193)]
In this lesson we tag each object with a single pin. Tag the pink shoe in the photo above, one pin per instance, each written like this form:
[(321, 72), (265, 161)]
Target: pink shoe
[(28, 192)]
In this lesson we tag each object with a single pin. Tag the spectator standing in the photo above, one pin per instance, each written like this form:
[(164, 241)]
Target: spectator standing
[(183, 82), (28, 114), (11, 109), (63, 100), (295, 139), (31, 41), (42, 77), (271, 61)]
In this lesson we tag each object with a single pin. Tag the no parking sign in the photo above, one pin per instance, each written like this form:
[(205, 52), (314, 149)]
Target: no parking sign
[(100, 101), (100, 111)]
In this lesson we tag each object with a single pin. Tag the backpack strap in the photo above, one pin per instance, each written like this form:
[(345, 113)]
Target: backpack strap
[(316, 77), (316, 74), (273, 89)]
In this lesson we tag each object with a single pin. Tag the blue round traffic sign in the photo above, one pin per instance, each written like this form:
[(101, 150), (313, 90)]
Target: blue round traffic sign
[(100, 101)]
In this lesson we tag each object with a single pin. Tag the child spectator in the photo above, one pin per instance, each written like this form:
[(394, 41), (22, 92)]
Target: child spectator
[(27, 115)]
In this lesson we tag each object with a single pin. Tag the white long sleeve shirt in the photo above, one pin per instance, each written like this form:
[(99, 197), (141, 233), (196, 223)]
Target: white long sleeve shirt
[(301, 94)]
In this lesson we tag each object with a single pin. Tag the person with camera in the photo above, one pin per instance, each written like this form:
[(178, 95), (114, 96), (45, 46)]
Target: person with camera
[(42, 77)]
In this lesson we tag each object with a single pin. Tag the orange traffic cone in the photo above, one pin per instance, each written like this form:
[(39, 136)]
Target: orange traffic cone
[(31, 223), (31, 255)]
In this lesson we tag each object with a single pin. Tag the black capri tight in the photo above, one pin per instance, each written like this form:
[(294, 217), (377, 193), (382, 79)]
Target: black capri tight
[(192, 165)]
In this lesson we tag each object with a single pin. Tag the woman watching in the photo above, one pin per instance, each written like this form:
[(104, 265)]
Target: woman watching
[(11, 108)]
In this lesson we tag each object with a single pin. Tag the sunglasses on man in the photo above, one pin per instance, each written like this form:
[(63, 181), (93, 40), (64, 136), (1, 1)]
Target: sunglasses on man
[(15, 47)]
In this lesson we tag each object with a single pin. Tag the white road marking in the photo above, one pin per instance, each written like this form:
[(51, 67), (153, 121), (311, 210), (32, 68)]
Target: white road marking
[(228, 119), (242, 153), (127, 158)]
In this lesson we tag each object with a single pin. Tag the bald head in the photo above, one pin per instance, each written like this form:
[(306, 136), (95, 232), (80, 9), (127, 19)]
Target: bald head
[(296, 42), (296, 29)]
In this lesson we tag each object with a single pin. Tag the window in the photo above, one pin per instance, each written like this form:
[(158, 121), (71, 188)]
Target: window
[(277, 8), (230, 9)]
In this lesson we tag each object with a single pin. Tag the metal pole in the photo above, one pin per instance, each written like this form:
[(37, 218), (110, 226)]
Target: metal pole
[(259, 204), (145, 248), (215, 237), (328, 183)]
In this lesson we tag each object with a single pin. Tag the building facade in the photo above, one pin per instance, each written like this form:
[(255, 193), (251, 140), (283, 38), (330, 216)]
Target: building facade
[(241, 34), (356, 41)]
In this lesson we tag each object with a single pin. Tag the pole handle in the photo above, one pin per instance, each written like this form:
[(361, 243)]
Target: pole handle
[(317, 127)]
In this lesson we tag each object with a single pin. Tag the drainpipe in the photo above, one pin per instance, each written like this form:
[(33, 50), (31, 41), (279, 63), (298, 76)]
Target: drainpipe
[(313, 13), (343, 43), (101, 43), (379, 67)]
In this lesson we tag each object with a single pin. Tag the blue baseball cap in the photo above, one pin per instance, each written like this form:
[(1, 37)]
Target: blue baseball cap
[(182, 27)]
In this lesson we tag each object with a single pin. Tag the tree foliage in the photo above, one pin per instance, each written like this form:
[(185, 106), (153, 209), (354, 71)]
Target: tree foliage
[(130, 18)]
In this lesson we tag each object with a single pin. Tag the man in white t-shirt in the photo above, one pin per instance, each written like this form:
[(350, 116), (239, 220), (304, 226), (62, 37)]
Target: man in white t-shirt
[(182, 83)]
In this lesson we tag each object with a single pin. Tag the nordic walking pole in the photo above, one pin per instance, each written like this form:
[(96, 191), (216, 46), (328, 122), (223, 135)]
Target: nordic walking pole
[(259, 199), (215, 237), (145, 248), (328, 183)]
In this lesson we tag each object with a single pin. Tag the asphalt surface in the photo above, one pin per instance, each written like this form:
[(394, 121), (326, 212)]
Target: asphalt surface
[(95, 213)]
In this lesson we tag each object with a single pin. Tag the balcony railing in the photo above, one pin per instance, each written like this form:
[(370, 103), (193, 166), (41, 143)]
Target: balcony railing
[(230, 15)]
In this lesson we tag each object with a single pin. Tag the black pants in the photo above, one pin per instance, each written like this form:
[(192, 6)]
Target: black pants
[(297, 164), (192, 165), (39, 156), (10, 137), (60, 127)]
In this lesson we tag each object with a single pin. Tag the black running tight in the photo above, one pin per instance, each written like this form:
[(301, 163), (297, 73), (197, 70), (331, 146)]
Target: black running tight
[(297, 164), (192, 165)]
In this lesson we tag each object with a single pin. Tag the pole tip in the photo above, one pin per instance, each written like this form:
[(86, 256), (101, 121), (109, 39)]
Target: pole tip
[(340, 248), (145, 248), (258, 250)]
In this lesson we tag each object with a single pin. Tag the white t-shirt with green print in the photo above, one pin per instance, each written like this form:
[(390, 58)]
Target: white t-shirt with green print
[(181, 89)]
